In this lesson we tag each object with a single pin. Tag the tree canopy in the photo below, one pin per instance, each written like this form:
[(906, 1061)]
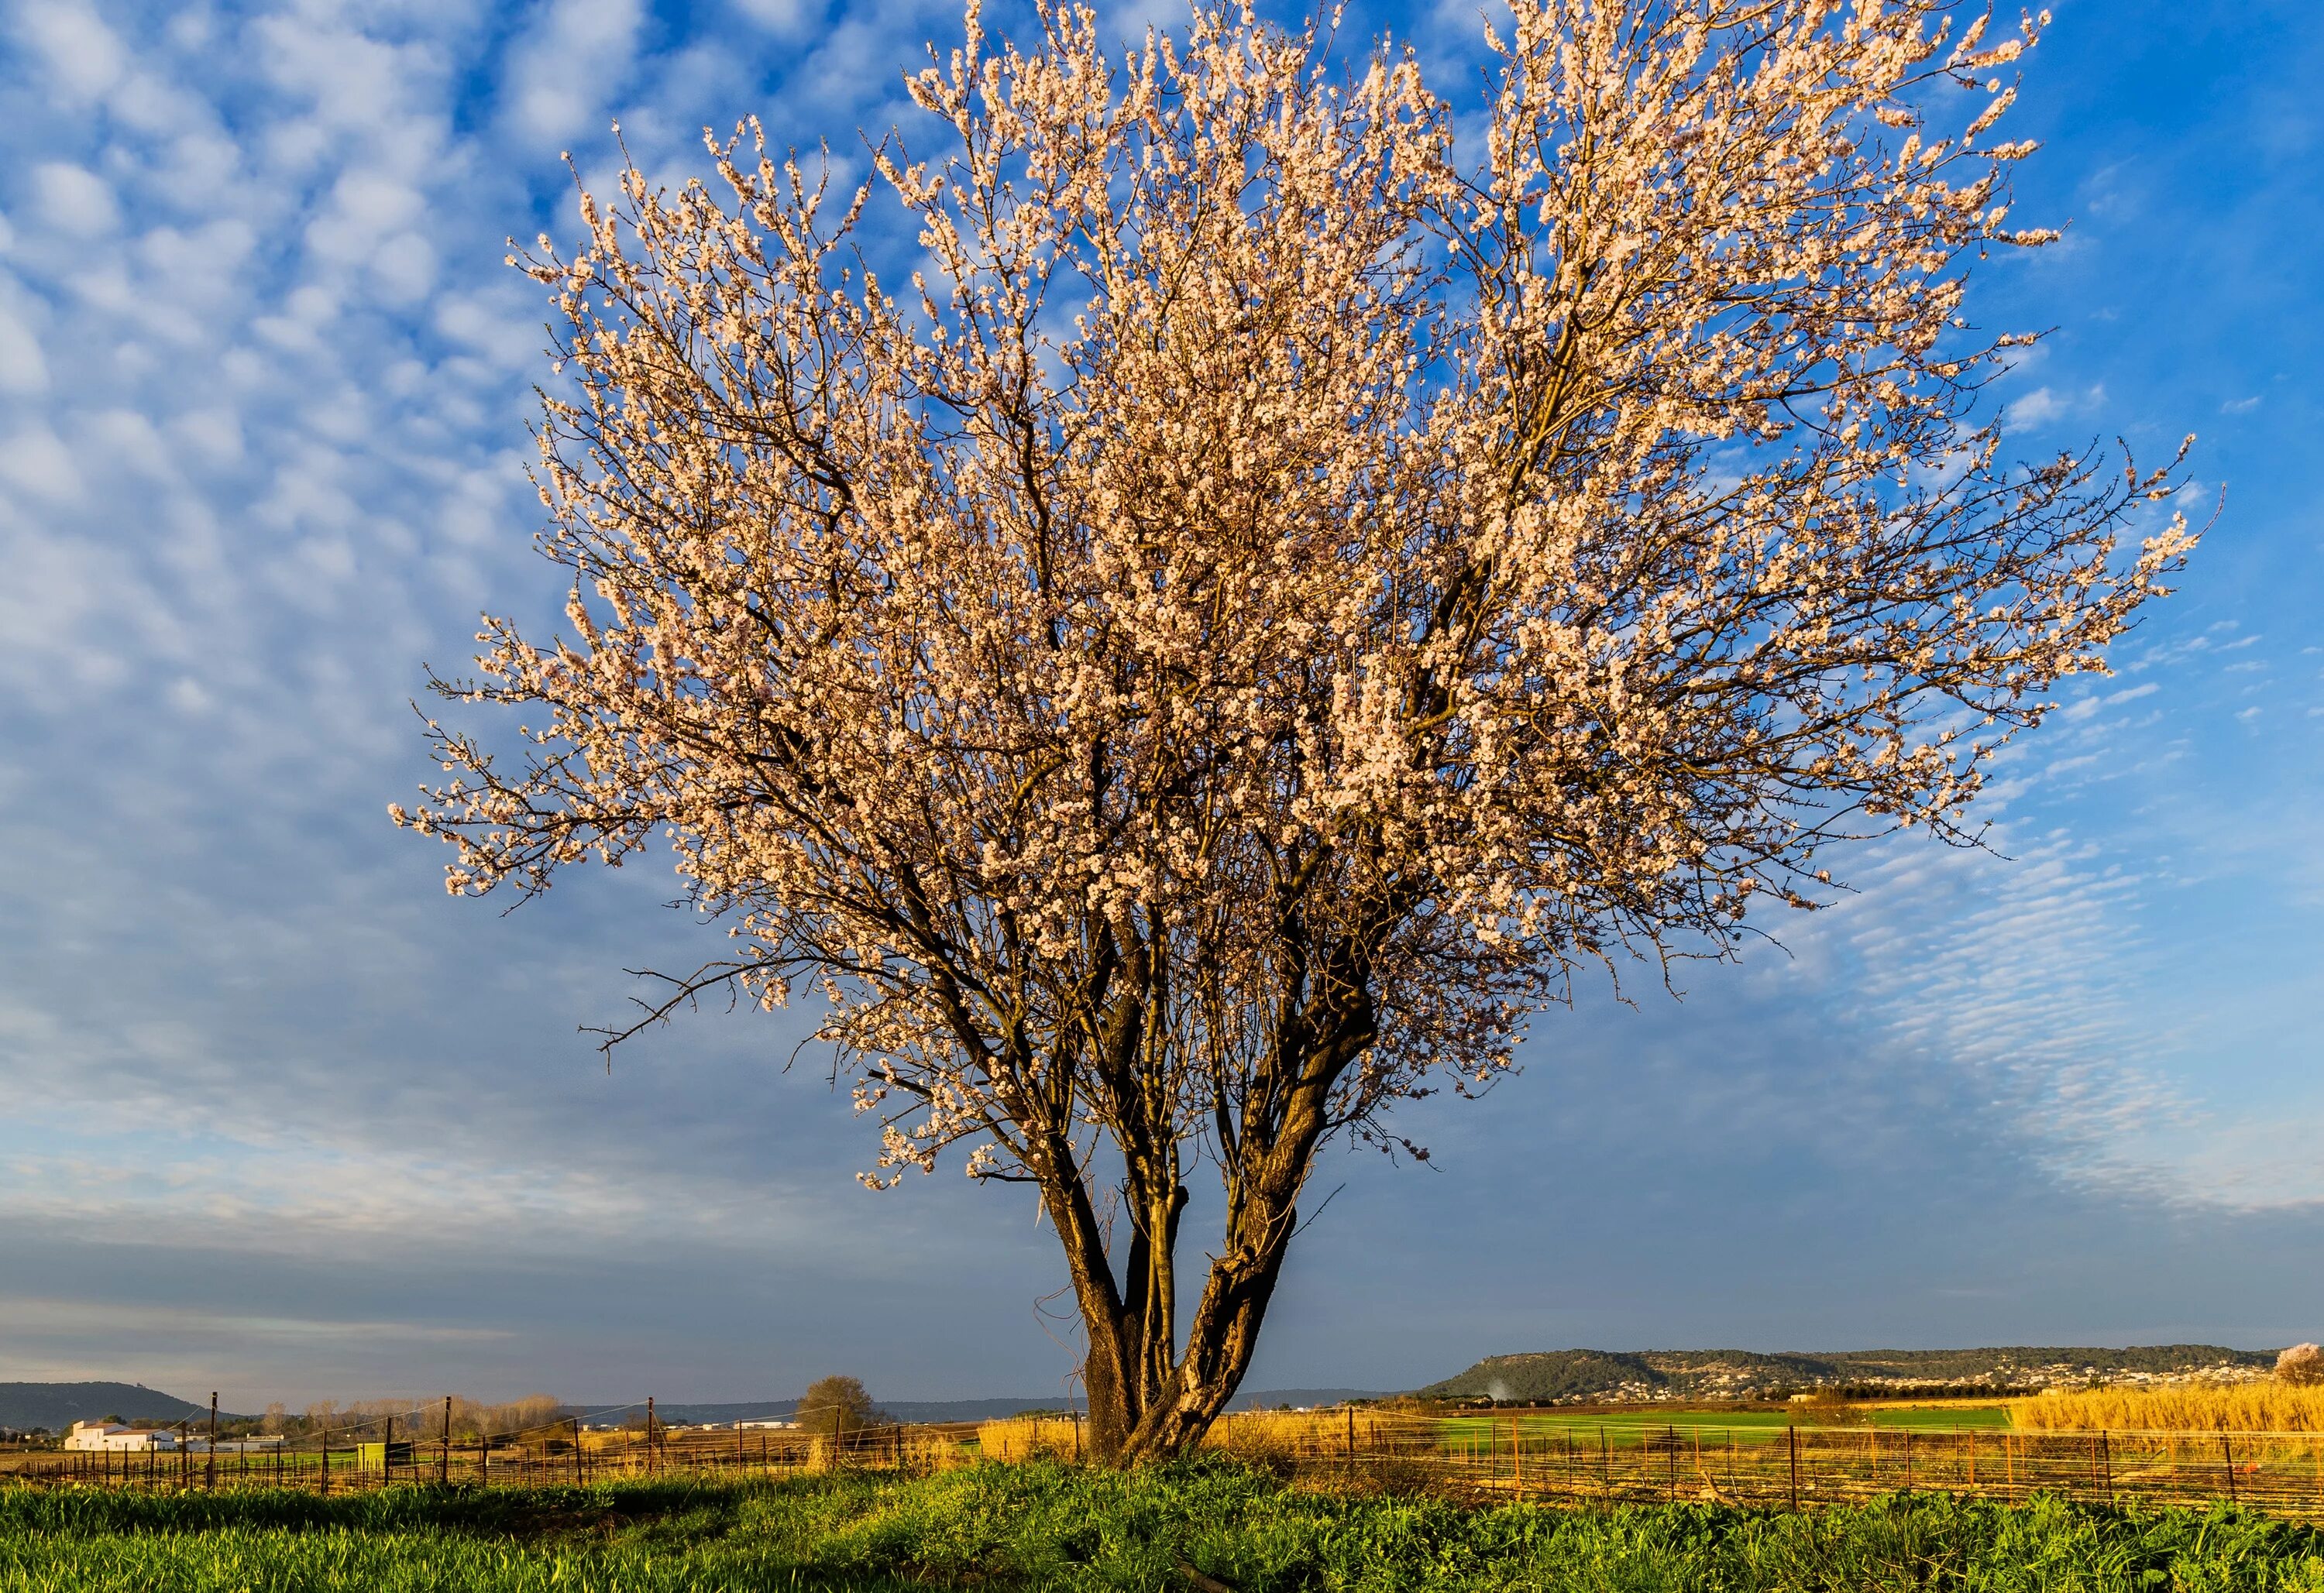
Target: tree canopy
[(834, 1406), (1281, 589)]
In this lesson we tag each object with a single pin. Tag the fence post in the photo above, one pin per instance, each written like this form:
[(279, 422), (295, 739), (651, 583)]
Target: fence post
[(1793, 1429), (1605, 1472), (577, 1451), (444, 1448), (2227, 1454), (326, 1463), (650, 1435), (1517, 1458), (1670, 1488), (209, 1472), (2106, 1464)]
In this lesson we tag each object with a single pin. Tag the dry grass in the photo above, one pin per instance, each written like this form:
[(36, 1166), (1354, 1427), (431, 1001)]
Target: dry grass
[(1026, 1437), (1257, 1435), (2194, 1407), (1322, 1435), (926, 1451)]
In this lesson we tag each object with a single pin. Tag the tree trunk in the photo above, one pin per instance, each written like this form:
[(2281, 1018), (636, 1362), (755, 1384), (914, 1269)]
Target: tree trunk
[(1134, 1418), (1145, 1406)]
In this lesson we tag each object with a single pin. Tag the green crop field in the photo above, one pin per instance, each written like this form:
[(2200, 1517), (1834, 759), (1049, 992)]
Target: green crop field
[(1038, 1526), (1629, 1426)]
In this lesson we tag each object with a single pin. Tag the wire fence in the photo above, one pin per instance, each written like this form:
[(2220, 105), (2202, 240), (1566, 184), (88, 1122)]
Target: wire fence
[(420, 1445), (1547, 1455), (1556, 1456)]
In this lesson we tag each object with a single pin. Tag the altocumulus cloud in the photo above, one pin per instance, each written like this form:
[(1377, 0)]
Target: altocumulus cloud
[(264, 384)]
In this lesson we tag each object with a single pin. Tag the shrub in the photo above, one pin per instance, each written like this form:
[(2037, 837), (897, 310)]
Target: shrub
[(2302, 1365)]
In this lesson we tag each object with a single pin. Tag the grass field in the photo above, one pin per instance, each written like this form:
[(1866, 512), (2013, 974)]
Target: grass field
[(2246, 1407), (1630, 1425), (1040, 1526)]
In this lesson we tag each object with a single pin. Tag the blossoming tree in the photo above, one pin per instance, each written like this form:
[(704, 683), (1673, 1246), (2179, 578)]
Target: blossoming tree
[(1279, 593)]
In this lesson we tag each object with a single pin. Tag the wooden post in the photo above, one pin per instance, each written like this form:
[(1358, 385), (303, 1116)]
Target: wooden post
[(2227, 1454), (650, 1435), (2106, 1465), (1793, 1429), (444, 1448), (1670, 1490), (1352, 1441), (326, 1462), (1605, 1477), (577, 1451), (1908, 1460), (209, 1472), (1971, 1436), (1516, 1456)]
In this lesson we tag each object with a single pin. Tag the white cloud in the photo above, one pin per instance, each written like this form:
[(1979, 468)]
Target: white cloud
[(22, 368), (37, 461), (404, 269), (74, 200), (83, 56), (569, 62), (783, 17)]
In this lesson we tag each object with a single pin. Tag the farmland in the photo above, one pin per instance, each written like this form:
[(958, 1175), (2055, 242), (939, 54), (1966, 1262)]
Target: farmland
[(1047, 1526)]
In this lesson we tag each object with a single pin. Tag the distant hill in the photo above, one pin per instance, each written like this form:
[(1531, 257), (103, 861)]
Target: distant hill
[(58, 1405), (1578, 1376)]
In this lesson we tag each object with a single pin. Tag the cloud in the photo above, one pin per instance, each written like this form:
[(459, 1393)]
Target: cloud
[(571, 60), (264, 385), (23, 370), (2046, 405), (35, 460), (83, 56), (77, 202)]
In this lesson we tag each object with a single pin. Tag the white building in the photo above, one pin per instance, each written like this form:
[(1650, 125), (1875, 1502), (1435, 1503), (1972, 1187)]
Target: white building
[(108, 1435)]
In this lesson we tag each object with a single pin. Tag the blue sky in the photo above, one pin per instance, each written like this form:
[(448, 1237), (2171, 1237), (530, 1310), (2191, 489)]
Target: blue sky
[(277, 1118)]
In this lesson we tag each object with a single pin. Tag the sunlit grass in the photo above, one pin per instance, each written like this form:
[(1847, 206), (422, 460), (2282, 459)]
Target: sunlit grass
[(1047, 1526), (2238, 1407)]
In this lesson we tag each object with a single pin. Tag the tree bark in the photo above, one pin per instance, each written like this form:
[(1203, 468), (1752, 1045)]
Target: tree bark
[(1148, 1399)]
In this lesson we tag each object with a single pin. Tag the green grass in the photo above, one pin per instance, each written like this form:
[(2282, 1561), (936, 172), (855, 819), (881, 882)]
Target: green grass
[(1949, 1418), (1625, 1428), (1040, 1526)]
